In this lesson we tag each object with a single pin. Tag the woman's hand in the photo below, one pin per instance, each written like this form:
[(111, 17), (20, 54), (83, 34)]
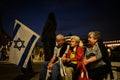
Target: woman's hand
[(92, 59), (66, 59), (63, 58), (86, 62)]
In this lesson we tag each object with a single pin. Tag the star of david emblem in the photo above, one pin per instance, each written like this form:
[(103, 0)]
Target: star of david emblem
[(19, 44)]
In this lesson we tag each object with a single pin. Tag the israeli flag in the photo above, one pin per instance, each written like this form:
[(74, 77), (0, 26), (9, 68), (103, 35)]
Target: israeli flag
[(24, 40)]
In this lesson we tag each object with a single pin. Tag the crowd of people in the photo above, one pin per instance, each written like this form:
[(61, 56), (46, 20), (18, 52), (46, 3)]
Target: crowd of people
[(89, 62), (70, 60)]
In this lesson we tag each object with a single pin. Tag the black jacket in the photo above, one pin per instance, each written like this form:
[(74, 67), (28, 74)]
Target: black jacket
[(105, 57)]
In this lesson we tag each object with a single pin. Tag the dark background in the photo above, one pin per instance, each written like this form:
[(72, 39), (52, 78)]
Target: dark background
[(73, 16)]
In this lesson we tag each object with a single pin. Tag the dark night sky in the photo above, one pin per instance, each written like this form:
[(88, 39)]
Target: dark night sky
[(75, 16)]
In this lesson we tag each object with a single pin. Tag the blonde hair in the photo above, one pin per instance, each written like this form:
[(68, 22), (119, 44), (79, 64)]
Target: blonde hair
[(96, 34), (81, 43), (77, 38)]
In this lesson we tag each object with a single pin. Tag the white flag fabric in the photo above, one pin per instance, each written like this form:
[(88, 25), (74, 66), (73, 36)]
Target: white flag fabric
[(24, 40), (62, 68)]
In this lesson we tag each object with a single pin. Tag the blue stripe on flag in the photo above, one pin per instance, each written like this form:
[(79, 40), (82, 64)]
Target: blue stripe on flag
[(25, 54), (16, 30)]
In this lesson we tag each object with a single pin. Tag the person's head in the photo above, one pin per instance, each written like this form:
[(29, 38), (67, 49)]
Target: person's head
[(51, 16), (94, 37), (74, 41), (60, 40)]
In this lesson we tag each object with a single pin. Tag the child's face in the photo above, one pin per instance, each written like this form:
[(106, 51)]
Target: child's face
[(73, 43)]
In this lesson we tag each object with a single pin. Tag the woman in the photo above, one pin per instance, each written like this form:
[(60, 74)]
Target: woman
[(96, 57), (74, 54)]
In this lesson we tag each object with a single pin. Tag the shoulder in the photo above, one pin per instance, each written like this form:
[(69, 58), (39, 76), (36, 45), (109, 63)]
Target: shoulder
[(65, 44), (55, 48), (80, 48), (101, 46)]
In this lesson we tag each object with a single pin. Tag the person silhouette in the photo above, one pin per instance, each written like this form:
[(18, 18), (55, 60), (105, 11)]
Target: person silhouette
[(48, 36)]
